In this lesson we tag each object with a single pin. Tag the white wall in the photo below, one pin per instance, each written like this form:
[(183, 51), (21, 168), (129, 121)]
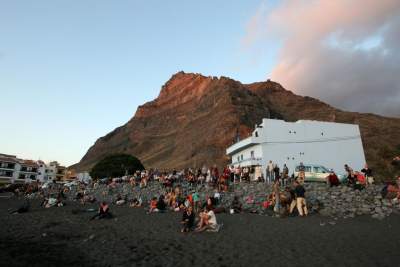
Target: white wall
[(311, 142), (247, 153)]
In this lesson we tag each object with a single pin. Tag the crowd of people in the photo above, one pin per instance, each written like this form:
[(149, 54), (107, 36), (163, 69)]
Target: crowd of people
[(288, 194)]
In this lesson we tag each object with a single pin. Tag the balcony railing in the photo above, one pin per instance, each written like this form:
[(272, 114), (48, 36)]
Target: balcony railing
[(252, 161)]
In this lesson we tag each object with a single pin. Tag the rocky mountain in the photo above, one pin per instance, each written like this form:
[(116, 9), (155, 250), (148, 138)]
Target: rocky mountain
[(195, 118)]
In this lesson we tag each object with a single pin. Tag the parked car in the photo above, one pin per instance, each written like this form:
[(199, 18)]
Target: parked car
[(317, 173)]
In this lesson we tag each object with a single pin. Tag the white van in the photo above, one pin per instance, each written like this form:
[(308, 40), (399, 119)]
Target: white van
[(316, 173)]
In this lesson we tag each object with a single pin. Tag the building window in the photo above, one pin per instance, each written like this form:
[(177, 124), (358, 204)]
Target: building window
[(9, 165), (241, 157), (252, 154), (23, 169), (238, 159), (21, 176), (256, 133), (6, 173)]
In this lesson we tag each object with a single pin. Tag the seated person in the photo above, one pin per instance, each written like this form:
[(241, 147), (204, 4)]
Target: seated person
[(136, 203), (24, 208), (119, 201), (103, 212), (360, 181), (332, 179), (50, 202), (236, 206), (187, 220), (392, 191), (208, 221), (217, 197), (266, 204), (153, 205), (209, 203), (161, 206), (196, 201), (88, 198)]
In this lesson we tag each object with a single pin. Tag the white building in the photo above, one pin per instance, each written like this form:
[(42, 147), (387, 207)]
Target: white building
[(9, 166), (312, 142), (52, 171), (15, 170)]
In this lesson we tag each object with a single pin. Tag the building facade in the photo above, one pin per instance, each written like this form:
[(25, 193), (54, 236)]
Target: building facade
[(312, 142), (15, 170), (8, 168)]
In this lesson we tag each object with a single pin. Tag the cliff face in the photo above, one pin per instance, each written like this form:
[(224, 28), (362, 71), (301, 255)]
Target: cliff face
[(195, 118)]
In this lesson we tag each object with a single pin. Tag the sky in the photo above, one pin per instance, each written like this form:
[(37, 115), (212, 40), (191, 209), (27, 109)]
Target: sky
[(72, 71)]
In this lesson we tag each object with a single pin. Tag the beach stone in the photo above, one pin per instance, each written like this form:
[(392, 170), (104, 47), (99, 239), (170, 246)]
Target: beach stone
[(378, 210), (378, 216), (326, 212)]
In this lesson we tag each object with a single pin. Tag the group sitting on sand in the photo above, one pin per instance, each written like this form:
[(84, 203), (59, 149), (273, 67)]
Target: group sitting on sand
[(180, 192)]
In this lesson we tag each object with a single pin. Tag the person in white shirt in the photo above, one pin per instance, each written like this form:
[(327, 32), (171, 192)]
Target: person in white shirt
[(270, 172), (208, 220)]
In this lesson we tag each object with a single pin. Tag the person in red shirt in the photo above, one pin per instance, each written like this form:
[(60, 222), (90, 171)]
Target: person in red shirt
[(104, 212), (153, 205), (360, 181), (393, 190), (332, 179)]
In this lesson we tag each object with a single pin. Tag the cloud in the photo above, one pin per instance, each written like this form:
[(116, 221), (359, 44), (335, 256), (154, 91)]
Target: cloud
[(344, 52)]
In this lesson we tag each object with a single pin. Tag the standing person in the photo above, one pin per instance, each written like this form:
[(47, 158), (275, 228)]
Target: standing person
[(270, 172), (246, 174), (276, 189), (300, 192), (204, 170), (232, 173), (292, 192), (285, 175), (208, 177), (237, 173), (368, 174), (302, 173), (277, 173), (214, 174), (258, 174)]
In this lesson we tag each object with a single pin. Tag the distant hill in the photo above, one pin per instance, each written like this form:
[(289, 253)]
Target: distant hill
[(195, 118)]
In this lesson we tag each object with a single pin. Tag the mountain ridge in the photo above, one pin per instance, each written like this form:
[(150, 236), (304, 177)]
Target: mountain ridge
[(195, 117)]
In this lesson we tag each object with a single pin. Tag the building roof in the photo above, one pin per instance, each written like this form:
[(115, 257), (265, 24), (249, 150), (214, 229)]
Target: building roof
[(8, 158), (29, 163)]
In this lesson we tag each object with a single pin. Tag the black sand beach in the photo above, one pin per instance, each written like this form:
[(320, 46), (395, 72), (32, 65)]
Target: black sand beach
[(61, 237)]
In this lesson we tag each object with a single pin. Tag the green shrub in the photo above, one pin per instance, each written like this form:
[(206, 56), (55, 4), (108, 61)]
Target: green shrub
[(116, 165)]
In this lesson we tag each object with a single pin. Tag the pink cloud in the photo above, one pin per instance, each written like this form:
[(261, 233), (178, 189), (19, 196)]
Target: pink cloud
[(322, 53)]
